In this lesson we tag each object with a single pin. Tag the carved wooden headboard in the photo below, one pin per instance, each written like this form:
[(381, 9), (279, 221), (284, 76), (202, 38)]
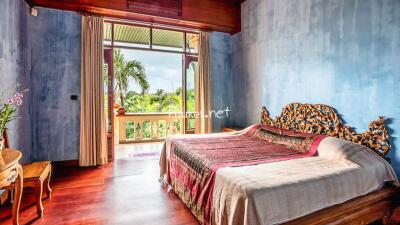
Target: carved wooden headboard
[(323, 119)]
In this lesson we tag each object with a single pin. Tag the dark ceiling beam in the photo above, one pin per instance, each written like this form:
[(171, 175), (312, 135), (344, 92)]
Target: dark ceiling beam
[(212, 15)]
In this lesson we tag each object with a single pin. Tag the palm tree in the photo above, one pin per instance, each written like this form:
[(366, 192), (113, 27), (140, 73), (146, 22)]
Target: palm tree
[(125, 70)]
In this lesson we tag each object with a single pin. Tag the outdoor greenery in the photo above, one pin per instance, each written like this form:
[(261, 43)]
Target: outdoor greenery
[(134, 102), (143, 101), (126, 70)]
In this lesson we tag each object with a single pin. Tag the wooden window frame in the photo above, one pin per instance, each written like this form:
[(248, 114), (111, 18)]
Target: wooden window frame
[(185, 54), (151, 27)]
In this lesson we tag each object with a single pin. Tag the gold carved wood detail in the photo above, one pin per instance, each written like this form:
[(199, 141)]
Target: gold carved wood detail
[(323, 119)]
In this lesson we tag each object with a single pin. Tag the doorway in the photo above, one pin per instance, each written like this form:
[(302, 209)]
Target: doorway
[(148, 105)]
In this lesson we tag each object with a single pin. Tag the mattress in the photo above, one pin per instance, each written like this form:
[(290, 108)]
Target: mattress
[(276, 192)]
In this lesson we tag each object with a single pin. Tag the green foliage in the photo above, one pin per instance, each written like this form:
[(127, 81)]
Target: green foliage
[(6, 115), (133, 102), (190, 101), (161, 101), (126, 70)]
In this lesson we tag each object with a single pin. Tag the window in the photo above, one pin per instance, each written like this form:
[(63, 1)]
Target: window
[(168, 40), (169, 60), (150, 38), (163, 72), (131, 36), (192, 43), (107, 33)]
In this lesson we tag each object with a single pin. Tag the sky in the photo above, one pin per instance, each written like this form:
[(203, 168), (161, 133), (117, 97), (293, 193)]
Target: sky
[(163, 70)]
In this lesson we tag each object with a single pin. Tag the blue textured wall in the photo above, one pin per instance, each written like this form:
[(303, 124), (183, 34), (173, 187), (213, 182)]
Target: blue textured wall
[(14, 69), (221, 76), (344, 53), (55, 41)]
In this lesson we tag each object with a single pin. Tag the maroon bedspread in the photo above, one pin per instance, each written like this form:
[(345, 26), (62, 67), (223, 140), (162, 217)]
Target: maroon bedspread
[(193, 162)]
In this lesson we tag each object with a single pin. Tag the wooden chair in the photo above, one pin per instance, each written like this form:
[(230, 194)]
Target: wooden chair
[(37, 176)]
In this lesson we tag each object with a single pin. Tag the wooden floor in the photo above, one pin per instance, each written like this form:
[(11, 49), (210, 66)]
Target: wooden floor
[(126, 191)]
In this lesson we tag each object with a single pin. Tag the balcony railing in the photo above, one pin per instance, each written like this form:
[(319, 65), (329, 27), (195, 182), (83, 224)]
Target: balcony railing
[(146, 127)]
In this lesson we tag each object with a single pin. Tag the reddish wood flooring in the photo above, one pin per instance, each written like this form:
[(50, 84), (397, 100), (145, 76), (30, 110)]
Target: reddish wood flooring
[(126, 191)]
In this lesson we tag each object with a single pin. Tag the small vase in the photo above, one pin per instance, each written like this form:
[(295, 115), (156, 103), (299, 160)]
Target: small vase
[(121, 111)]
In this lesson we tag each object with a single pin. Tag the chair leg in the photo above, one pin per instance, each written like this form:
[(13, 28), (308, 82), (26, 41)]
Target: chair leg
[(19, 186), (38, 193), (48, 189)]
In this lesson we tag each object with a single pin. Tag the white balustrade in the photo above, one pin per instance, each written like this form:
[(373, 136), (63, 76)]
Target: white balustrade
[(146, 127)]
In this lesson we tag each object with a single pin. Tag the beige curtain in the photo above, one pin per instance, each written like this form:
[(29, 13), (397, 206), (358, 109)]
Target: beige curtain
[(93, 148), (203, 86)]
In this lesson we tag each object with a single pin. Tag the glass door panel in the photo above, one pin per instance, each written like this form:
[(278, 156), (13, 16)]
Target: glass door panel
[(191, 66)]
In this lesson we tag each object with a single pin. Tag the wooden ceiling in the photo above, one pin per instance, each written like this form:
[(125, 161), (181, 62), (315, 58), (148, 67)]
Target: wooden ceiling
[(214, 15)]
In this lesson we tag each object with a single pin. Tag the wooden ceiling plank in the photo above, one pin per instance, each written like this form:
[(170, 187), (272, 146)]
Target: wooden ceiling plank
[(223, 16)]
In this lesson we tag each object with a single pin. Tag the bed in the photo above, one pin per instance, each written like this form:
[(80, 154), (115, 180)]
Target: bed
[(303, 167)]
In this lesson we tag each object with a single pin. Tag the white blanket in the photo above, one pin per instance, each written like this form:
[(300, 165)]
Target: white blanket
[(278, 192)]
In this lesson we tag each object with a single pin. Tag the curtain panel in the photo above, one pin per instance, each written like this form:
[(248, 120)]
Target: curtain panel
[(203, 86), (93, 148)]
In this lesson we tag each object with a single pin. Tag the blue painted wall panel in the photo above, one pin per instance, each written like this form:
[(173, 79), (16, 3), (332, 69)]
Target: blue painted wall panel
[(14, 69), (344, 53), (42, 54), (55, 74), (221, 80)]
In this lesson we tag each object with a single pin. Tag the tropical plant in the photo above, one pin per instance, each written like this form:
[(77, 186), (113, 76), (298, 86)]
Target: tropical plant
[(126, 70), (143, 101)]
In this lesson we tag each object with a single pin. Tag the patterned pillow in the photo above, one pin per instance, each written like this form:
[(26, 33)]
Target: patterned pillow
[(300, 142)]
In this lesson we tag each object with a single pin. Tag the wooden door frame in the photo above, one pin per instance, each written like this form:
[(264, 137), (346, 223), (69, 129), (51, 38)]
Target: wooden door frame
[(186, 55), (187, 59), (109, 60)]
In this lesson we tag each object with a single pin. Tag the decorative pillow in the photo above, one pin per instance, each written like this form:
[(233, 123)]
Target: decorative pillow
[(300, 142)]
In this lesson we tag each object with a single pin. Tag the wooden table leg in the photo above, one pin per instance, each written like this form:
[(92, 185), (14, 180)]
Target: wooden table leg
[(39, 193), (18, 193), (47, 181)]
